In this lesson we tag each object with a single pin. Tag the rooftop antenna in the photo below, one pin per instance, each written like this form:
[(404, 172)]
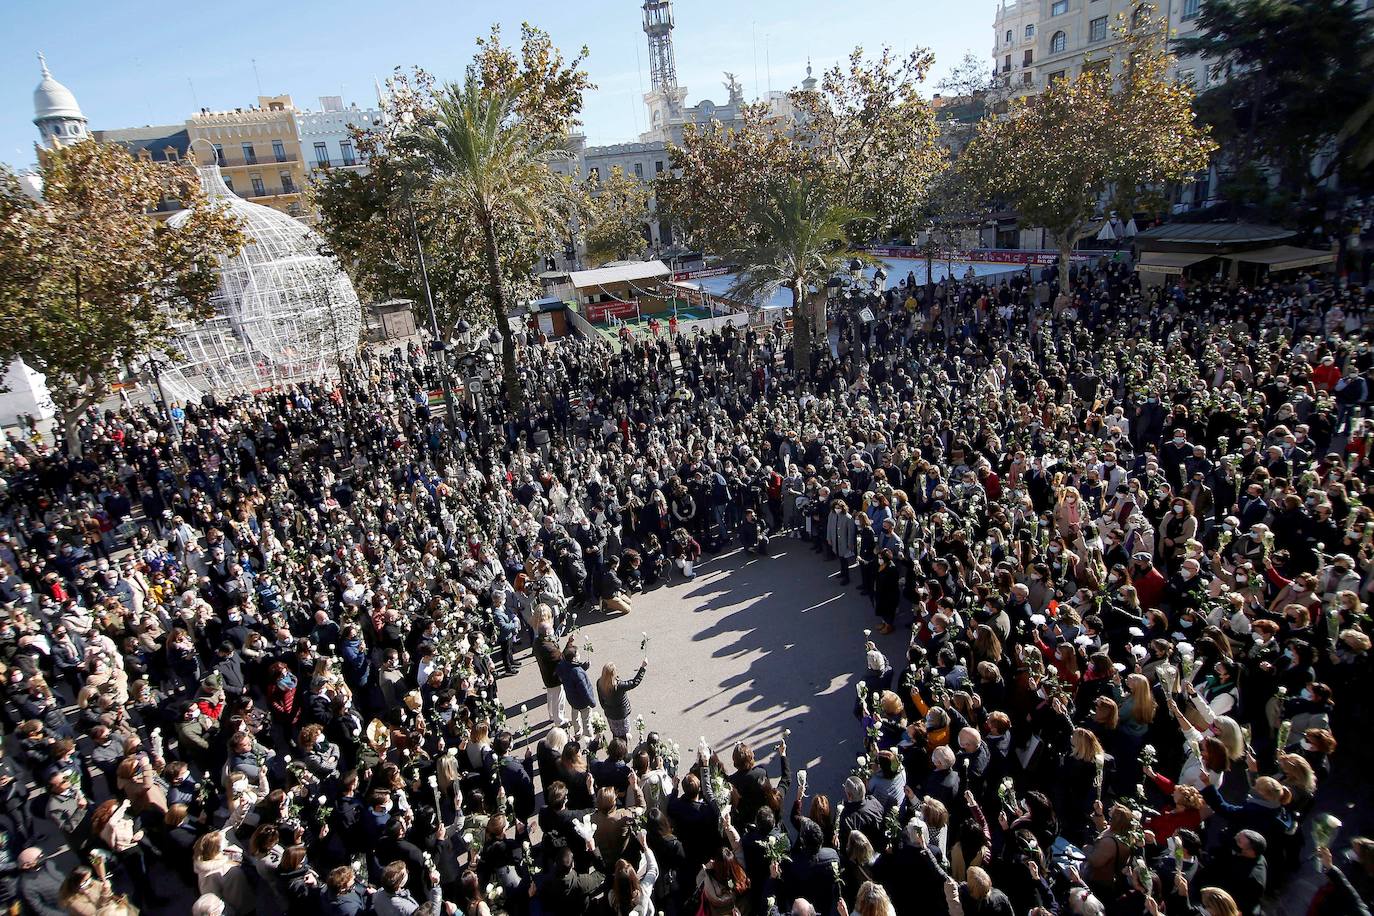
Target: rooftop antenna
[(256, 78), (639, 72), (194, 99), (768, 60), (753, 36)]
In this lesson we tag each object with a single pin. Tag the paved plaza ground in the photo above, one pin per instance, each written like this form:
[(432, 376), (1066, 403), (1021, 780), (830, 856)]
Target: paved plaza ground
[(752, 646)]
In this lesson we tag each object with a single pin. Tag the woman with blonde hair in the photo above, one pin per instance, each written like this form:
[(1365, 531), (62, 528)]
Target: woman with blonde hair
[(1081, 782), (858, 861), (1216, 902), (872, 900), (613, 695), (1138, 707), (219, 871), (1299, 779)]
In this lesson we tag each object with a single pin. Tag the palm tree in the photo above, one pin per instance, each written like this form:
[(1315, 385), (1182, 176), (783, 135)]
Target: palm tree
[(479, 149), (798, 243)]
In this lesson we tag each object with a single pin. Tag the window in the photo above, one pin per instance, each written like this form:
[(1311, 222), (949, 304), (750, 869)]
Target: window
[(1006, 63), (1191, 9), (1187, 77), (1027, 78), (1059, 7), (594, 173), (1030, 31), (1058, 42), (1027, 58), (658, 166), (1009, 34), (346, 150), (229, 182), (259, 189), (1097, 29), (1057, 75), (288, 186), (639, 170), (219, 154), (321, 153), (250, 157), (278, 150)]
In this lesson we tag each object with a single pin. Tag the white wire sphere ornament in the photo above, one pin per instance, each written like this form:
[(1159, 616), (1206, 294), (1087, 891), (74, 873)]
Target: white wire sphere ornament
[(283, 311)]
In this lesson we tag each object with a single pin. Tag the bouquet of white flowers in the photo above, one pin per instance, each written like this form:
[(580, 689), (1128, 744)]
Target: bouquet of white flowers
[(776, 847), (1324, 830)]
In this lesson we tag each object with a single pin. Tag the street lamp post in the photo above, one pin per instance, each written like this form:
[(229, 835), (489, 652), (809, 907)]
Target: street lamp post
[(436, 346)]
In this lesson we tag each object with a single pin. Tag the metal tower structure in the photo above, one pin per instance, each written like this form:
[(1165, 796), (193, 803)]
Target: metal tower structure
[(658, 25)]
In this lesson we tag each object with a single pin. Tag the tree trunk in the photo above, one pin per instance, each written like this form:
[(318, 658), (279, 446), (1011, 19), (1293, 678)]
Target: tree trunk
[(70, 432), (820, 325), (1066, 244), (515, 391), (801, 331)]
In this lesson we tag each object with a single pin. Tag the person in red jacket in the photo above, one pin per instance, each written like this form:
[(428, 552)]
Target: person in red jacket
[(1149, 582), (1326, 375)]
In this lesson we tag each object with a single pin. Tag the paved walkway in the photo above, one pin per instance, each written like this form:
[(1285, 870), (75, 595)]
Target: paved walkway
[(752, 646)]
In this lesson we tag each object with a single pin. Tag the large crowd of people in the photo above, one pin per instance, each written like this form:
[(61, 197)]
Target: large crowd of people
[(252, 657)]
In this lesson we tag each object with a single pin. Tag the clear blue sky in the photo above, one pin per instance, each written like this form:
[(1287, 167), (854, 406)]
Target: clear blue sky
[(133, 62)]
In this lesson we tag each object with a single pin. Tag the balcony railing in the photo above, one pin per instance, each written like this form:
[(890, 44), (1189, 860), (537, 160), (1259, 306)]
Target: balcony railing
[(336, 163), (266, 191), (271, 159)]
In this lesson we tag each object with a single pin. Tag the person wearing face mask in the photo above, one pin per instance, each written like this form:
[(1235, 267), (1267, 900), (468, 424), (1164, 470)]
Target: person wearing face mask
[(1149, 583), (1186, 589), (1178, 526), (319, 756)]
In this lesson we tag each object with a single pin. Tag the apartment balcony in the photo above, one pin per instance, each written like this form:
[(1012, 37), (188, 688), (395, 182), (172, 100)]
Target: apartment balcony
[(351, 163), (265, 191), (232, 162)]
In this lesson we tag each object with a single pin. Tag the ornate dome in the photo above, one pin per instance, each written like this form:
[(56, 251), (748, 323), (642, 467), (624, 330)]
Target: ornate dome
[(284, 310), (53, 100)]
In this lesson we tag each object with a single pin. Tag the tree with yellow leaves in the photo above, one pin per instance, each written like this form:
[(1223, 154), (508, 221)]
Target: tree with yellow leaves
[(615, 210), (862, 145), (1053, 156), (90, 282)]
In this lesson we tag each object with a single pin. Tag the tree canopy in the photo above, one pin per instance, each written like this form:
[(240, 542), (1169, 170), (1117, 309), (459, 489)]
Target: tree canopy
[(864, 137), (470, 164), (1054, 156), (1285, 77), (92, 282), (614, 212)]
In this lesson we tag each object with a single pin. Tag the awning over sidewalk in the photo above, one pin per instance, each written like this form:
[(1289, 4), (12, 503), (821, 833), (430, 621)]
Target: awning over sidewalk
[(1169, 262), (1285, 257)]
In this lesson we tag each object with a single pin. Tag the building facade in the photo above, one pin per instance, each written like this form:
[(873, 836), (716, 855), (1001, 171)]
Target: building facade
[(1038, 40), (258, 150), (326, 136)]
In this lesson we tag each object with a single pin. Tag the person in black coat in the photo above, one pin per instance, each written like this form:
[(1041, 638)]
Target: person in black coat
[(861, 812), (39, 885), (516, 777), (887, 589), (696, 821), (912, 878), (810, 872)]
